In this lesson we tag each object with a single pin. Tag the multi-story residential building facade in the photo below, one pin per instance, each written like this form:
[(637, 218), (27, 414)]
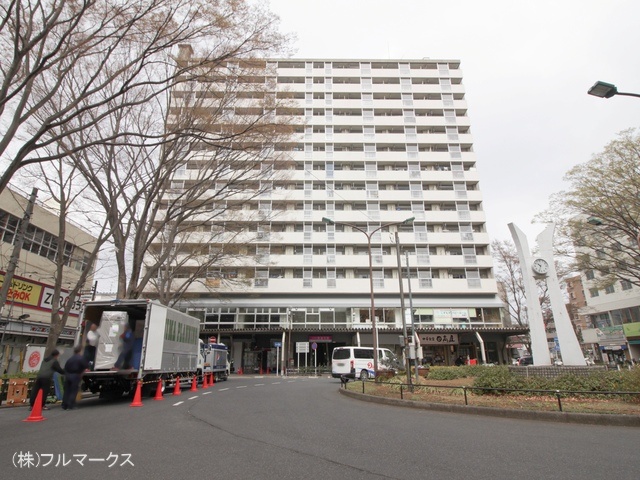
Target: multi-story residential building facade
[(28, 307), (613, 318), (381, 148)]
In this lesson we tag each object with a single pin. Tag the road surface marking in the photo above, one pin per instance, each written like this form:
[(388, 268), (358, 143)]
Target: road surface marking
[(290, 381), (176, 404), (206, 393), (223, 389), (243, 386), (259, 385), (276, 383), (191, 398)]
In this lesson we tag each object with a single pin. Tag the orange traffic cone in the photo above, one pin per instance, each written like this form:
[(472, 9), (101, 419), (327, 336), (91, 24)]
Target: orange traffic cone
[(36, 411), (176, 389), (137, 398), (159, 391), (205, 378), (213, 379), (240, 371), (194, 384)]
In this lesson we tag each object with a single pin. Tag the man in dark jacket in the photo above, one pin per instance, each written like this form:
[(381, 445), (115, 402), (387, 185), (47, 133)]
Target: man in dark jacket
[(73, 370), (43, 379)]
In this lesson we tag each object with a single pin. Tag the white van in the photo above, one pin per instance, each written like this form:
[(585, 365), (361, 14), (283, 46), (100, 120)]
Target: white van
[(355, 362)]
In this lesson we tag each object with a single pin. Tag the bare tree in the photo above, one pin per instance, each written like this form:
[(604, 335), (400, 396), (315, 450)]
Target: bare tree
[(600, 212), (167, 198), (67, 65), (61, 182)]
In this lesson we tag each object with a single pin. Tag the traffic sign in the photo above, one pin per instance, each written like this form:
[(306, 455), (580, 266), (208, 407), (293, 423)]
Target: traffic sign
[(277, 344), (314, 345)]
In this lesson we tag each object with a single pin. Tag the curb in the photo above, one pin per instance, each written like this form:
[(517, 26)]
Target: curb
[(561, 417)]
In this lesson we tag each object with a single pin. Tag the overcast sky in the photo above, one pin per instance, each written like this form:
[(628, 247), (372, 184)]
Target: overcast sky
[(527, 66)]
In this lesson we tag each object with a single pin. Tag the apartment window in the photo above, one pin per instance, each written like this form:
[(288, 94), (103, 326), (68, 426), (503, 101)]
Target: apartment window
[(367, 99), (455, 151), (365, 69), (425, 279), (404, 69), (369, 151), (366, 84), (369, 132), (308, 98), (412, 151), (328, 99), (625, 285), (405, 84), (447, 99), (473, 279), (590, 275), (443, 69), (609, 289), (593, 292), (367, 115), (445, 84), (450, 116), (409, 116), (452, 134), (328, 131), (407, 100), (410, 133)]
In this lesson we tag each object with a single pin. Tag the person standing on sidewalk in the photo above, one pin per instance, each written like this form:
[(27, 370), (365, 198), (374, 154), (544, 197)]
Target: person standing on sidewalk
[(73, 370), (43, 379)]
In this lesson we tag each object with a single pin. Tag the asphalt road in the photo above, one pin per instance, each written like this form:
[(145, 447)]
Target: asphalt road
[(295, 428)]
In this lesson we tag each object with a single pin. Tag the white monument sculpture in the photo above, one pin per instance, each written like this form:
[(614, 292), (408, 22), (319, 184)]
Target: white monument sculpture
[(544, 267)]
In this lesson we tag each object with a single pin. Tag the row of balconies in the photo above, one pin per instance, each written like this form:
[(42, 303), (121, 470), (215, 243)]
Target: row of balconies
[(372, 72), (347, 261), (300, 286), (407, 239), (387, 139)]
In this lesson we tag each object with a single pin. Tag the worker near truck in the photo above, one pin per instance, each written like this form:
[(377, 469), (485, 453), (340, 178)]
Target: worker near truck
[(73, 370), (126, 354), (43, 379), (91, 345)]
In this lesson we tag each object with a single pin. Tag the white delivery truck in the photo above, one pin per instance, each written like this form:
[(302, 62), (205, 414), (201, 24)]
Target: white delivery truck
[(215, 358), (166, 346)]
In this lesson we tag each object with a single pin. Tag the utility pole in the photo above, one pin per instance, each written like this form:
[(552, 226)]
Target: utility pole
[(17, 248), (407, 360)]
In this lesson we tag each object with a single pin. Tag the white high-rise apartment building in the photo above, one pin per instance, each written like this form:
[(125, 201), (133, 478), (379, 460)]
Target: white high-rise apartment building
[(377, 142)]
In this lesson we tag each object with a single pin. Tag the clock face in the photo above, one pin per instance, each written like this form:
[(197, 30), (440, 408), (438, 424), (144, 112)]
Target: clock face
[(540, 266)]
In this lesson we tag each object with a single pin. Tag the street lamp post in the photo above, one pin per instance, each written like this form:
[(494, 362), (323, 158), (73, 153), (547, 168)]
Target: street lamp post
[(372, 313), (608, 90)]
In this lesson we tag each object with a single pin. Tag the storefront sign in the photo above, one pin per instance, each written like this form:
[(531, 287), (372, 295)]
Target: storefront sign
[(632, 329), (36, 295), (321, 338), (439, 339)]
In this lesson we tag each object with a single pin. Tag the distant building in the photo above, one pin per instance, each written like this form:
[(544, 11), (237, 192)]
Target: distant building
[(612, 319), (28, 308), (378, 141)]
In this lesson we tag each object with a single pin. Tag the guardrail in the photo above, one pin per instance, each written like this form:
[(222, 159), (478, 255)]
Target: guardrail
[(558, 394)]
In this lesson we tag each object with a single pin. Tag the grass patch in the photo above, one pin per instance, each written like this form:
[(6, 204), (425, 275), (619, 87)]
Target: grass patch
[(450, 391)]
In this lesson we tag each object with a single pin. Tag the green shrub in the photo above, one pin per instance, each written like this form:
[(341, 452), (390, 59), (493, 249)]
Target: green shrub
[(496, 377), (450, 373)]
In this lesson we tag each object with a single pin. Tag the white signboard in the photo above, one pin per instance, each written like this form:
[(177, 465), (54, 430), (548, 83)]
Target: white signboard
[(33, 359), (302, 347)]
